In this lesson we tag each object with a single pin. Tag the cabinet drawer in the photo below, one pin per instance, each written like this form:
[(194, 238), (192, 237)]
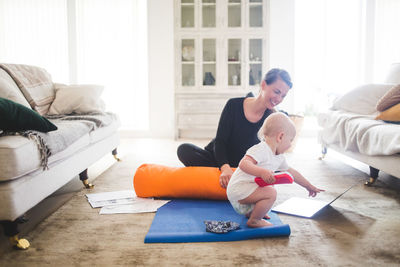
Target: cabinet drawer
[(197, 133), (205, 105), (198, 120)]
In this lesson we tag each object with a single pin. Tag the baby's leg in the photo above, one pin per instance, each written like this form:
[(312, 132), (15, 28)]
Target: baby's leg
[(263, 198)]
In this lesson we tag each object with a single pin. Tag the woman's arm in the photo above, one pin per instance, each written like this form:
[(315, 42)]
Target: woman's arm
[(221, 144), (223, 134), (226, 173)]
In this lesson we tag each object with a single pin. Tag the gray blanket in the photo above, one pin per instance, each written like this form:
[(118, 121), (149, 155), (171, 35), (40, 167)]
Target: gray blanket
[(70, 129)]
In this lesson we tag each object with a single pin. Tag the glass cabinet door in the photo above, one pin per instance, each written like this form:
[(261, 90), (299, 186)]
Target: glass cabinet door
[(208, 10), (255, 13), (255, 60), (209, 62), (234, 61), (234, 13), (187, 13), (188, 62)]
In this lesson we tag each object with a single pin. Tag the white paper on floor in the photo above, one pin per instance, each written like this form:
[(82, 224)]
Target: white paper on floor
[(124, 201), (98, 200), (146, 205)]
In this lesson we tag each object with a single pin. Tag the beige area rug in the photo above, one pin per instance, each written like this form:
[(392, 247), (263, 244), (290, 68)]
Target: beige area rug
[(362, 228)]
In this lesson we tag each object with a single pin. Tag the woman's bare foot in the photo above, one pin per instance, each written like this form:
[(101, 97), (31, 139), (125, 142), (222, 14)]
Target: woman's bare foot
[(258, 223)]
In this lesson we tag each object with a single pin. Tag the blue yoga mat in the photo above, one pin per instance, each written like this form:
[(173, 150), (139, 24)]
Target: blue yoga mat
[(183, 221)]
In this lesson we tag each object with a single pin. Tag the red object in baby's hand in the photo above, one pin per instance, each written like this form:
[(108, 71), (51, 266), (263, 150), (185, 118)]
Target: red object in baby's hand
[(280, 178)]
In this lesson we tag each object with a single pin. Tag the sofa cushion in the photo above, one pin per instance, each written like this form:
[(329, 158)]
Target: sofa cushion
[(10, 90), (359, 133), (103, 132), (15, 117), (362, 99), (35, 83), (391, 98), (20, 155), (77, 99)]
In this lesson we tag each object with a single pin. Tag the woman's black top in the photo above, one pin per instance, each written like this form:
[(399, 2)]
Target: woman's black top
[(235, 134)]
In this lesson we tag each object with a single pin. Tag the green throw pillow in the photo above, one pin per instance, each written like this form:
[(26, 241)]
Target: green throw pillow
[(15, 117)]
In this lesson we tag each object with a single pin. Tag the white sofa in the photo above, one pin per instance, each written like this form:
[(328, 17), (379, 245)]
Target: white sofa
[(23, 180), (350, 128)]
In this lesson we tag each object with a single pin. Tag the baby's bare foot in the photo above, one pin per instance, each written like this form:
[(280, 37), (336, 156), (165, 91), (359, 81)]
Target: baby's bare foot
[(258, 223), (265, 217)]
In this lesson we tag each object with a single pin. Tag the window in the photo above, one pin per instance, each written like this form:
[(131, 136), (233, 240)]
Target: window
[(327, 51), (112, 50), (98, 41), (35, 33), (340, 44), (387, 37)]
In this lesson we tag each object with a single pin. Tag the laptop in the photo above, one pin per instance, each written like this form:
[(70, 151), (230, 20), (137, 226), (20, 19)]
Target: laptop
[(305, 207)]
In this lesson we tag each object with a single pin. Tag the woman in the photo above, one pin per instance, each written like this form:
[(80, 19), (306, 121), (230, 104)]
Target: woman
[(238, 126)]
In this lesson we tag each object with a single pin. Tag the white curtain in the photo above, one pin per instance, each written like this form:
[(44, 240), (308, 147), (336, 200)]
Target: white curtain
[(387, 37), (112, 50), (35, 32), (327, 51), (340, 44), (98, 41)]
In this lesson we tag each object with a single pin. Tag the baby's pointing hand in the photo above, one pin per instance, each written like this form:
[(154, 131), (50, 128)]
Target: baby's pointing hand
[(313, 191)]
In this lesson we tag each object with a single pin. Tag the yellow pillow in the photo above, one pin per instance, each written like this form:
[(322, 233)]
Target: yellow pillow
[(391, 114)]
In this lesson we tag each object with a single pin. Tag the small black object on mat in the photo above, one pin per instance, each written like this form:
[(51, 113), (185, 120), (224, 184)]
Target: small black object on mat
[(221, 227)]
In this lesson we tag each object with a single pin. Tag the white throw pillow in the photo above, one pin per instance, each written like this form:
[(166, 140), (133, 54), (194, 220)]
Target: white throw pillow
[(10, 90), (362, 99), (77, 99), (393, 75)]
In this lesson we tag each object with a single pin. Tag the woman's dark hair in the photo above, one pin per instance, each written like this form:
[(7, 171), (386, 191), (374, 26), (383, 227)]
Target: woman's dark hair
[(275, 74)]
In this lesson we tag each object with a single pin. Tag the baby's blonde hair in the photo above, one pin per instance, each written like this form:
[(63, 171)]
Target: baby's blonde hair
[(275, 124)]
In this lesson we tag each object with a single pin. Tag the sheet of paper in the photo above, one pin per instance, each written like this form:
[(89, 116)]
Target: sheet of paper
[(147, 205), (99, 200), (111, 202), (111, 195)]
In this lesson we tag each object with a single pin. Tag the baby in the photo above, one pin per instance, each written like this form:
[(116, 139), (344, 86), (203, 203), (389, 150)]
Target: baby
[(261, 160)]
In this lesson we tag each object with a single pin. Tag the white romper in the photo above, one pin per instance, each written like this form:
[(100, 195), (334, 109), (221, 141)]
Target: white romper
[(242, 185)]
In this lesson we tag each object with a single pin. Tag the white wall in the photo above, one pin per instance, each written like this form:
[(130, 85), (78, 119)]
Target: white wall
[(281, 42), (161, 67)]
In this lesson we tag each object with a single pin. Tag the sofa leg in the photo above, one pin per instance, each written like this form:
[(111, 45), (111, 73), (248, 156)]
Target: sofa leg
[(11, 231), (83, 176), (323, 152), (373, 173), (114, 153)]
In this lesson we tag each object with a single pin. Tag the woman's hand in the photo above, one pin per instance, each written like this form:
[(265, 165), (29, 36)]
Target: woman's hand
[(268, 176), (226, 173)]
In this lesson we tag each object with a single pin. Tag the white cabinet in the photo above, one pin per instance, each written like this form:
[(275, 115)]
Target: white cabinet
[(220, 52)]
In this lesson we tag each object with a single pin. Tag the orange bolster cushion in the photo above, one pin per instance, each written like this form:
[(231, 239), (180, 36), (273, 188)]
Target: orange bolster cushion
[(152, 180)]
